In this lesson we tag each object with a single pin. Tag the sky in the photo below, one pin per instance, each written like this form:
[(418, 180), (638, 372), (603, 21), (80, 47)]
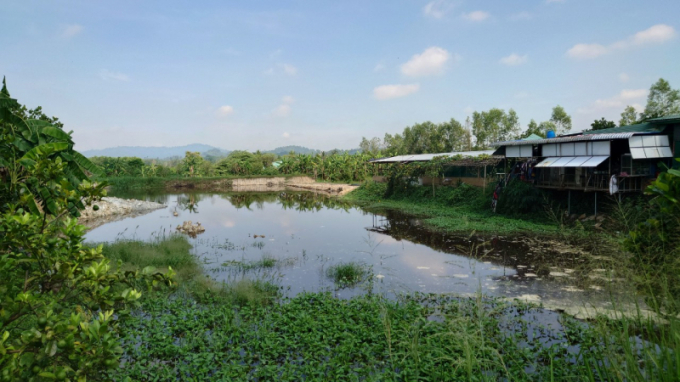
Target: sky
[(261, 74)]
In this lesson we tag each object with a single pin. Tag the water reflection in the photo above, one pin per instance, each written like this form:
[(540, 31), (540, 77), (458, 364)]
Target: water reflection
[(293, 238)]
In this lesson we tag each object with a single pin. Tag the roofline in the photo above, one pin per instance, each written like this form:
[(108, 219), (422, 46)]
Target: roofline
[(586, 137)]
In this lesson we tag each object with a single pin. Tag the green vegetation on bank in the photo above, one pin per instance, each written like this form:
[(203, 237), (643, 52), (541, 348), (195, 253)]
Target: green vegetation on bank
[(453, 209)]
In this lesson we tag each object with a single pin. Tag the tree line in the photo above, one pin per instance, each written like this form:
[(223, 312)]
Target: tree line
[(494, 125)]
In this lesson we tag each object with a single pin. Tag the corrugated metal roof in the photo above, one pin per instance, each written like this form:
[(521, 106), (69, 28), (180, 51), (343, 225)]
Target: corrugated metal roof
[(429, 157), (667, 119), (638, 128), (575, 138)]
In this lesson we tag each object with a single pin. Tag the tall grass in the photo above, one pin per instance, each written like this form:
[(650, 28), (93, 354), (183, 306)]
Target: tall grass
[(347, 273), (175, 251)]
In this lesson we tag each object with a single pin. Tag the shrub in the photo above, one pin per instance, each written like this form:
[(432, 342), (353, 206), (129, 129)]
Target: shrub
[(655, 243), (520, 198), (59, 300)]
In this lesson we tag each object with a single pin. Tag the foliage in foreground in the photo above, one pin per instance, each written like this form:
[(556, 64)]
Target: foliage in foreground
[(58, 298), (655, 243), (420, 337)]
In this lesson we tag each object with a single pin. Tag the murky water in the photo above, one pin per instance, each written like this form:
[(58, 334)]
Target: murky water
[(300, 235)]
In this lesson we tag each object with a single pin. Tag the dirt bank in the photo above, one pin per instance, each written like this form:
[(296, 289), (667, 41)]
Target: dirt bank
[(328, 188), (261, 185)]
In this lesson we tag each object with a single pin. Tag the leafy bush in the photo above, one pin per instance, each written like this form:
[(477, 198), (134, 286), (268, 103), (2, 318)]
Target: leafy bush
[(655, 243), (58, 298), (520, 198)]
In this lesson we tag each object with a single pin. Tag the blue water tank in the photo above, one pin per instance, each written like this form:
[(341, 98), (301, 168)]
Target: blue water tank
[(551, 134)]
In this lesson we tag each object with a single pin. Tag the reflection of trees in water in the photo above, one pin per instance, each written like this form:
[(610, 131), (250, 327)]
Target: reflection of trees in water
[(189, 202), (295, 201)]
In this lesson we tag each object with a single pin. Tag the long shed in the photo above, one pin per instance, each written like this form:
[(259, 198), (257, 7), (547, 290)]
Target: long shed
[(587, 161)]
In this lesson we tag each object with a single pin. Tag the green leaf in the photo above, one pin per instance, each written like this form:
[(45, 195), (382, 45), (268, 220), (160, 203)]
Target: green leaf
[(30, 202), (53, 348), (22, 144), (47, 374), (85, 164), (46, 149), (56, 133)]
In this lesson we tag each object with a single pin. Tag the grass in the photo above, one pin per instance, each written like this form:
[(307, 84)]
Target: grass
[(347, 274), (172, 251), (460, 209), (175, 251)]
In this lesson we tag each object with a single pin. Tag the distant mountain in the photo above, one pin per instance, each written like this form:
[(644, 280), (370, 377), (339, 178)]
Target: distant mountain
[(287, 149), (155, 152)]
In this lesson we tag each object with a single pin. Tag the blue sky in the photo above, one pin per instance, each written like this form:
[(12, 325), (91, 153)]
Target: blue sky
[(261, 74)]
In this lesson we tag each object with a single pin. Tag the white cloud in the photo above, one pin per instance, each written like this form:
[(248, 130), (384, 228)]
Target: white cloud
[(619, 101), (657, 34), (107, 75), (394, 91), (476, 16), (284, 109), (624, 77), (585, 51), (514, 59), (225, 110), (524, 15), (431, 61), (437, 8), (285, 135), (378, 67), (289, 69), (71, 30)]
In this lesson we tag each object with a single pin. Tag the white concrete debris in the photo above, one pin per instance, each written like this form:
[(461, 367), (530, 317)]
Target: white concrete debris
[(116, 207)]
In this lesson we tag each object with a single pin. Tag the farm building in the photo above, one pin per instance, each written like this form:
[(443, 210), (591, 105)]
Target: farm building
[(470, 167), (616, 160)]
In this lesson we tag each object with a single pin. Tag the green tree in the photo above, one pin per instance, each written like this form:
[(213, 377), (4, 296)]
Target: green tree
[(661, 101), (191, 164), (561, 120), (371, 146), (494, 125), (533, 128), (629, 117), (58, 298), (602, 124)]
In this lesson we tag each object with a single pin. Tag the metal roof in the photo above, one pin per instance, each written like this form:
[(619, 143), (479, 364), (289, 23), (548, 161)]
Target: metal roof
[(667, 119), (574, 138), (429, 157), (640, 128)]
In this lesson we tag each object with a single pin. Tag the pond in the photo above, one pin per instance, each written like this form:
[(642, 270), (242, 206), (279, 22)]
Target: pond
[(293, 239)]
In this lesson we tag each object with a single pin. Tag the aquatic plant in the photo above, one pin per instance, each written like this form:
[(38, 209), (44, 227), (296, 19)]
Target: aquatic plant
[(347, 273)]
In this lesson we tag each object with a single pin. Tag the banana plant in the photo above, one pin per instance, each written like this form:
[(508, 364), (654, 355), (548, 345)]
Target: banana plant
[(30, 146)]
